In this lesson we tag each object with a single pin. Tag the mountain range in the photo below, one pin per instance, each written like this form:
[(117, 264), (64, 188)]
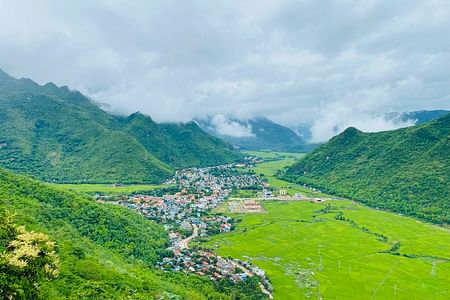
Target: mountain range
[(60, 135), (405, 170), (261, 133), (257, 133)]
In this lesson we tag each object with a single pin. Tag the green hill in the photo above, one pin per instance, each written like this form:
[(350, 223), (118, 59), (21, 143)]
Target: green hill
[(105, 251), (179, 145), (60, 135), (405, 170)]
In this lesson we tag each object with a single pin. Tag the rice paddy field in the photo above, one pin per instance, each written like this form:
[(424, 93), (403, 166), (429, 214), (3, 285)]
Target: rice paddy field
[(339, 249), (279, 161), (308, 253)]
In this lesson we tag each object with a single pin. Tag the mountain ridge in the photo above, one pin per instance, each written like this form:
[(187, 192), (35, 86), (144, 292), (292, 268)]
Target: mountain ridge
[(60, 135), (405, 170)]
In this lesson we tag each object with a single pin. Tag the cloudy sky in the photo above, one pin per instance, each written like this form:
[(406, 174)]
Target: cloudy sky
[(329, 63)]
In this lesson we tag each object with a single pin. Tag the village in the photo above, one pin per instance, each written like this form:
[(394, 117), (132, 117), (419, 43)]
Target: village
[(186, 215)]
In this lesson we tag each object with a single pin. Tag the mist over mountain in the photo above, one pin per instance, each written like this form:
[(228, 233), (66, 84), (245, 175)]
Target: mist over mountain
[(257, 133), (406, 170), (60, 135), (325, 128), (417, 117)]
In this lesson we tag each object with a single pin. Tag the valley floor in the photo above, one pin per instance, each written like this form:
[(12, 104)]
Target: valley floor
[(338, 249), (328, 249), (308, 253)]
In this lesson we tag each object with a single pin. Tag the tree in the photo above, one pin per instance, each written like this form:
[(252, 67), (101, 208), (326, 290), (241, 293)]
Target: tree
[(28, 258)]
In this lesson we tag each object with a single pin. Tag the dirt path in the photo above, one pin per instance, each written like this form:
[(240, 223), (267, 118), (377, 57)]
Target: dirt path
[(184, 244)]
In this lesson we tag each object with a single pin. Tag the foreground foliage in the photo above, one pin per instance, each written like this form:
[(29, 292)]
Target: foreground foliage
[(27, 258)]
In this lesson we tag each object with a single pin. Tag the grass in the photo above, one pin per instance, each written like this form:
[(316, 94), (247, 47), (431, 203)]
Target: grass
[(272, 155), (109, 188), (307, 256), (245, 194)]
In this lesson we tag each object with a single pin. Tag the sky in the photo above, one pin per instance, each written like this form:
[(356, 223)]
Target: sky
[(331, 64)]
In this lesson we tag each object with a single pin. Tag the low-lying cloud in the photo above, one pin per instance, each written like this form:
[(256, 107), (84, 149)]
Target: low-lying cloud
[(327, 63), (334, 122), (225, 126)]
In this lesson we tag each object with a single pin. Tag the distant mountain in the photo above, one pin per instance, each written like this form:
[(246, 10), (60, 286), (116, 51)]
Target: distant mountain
[(418, 117), (60, 135), (254, 134), (303, 130), (405, 170)]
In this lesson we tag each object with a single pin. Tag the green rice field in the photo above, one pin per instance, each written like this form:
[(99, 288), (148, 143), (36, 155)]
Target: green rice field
[(310, 254), (279, 161)]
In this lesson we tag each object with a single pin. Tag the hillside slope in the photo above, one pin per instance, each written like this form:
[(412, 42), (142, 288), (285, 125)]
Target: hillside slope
[(60, 135), (106, 251), (405, 170), (179, 145)]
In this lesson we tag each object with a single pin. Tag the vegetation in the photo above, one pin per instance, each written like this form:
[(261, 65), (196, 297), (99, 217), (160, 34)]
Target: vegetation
[(105, 251), (27, 259), (275, 164), (61, 136), (405, 170), (179, 145), (366, 254)]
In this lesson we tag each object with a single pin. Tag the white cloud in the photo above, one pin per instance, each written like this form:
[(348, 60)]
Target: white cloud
[(225, 126), (333, 121), (292, 61)]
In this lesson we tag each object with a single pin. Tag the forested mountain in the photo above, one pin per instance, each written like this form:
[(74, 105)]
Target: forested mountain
[(60, 135), (405, 170), (263, 134), (178, 145), (104, 251)]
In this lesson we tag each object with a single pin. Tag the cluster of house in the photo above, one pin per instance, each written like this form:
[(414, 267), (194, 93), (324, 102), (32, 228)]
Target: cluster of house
[(216, 179), (202, 189), (207, 263), (184, 215)]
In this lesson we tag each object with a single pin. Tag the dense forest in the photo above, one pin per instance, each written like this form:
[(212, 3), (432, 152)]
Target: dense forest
[(60, 135), (405, 170), (92, 251), (178, 145)]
